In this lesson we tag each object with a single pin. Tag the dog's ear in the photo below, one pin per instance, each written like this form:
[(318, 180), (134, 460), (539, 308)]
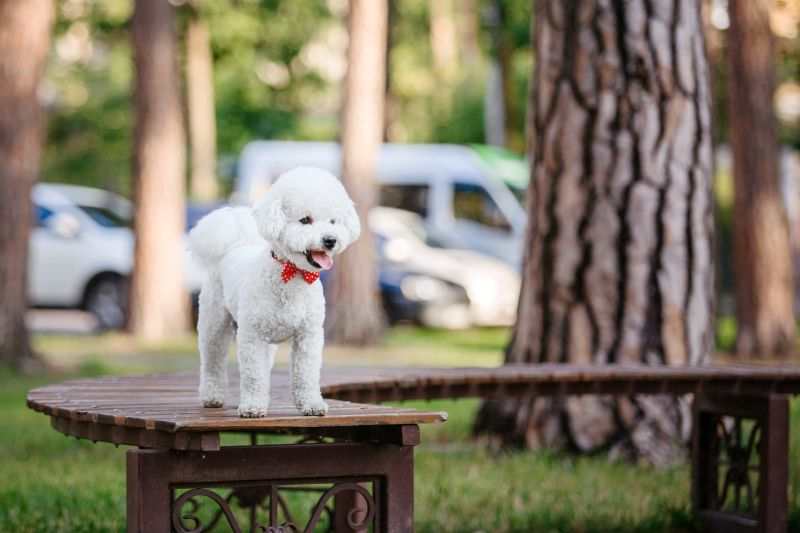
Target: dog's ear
[(352, 223), (269, 215)]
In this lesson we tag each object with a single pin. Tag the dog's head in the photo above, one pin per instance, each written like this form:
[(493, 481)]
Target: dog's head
[(307, 216)]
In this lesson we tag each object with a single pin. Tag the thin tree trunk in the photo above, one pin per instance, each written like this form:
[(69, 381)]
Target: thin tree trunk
[(443, 37), (354, 310), (25, 28), (763, 278), (202, 120), (390, 105), (159, 304), (494, 99), (618, 265), (468, 26)]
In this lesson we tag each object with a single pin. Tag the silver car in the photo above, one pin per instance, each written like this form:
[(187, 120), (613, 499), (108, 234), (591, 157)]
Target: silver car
[(81, 252)]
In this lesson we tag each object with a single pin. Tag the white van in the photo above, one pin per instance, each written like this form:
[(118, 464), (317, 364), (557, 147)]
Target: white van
[(464, 201)]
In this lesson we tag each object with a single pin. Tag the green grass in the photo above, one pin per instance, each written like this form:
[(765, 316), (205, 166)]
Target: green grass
[(49, 482)]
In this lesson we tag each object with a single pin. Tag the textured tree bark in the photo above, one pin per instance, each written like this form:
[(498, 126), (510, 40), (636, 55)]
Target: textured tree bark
[(200, 107), (25, 29), (355, 315), (158, 303), (618, 265), (762, 267)]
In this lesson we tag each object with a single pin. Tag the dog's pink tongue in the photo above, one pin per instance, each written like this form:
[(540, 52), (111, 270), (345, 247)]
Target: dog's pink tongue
[(322, 259)]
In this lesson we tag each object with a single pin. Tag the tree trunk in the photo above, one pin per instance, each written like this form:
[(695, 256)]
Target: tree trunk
[(159, 304), (763, 280), (468, 28), (494, 99), (354, 309), (443, 37), (202, 120), (24, 38), (618, 260)]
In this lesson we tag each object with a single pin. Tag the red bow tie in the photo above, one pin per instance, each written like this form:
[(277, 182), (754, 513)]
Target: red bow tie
[(290, 270)]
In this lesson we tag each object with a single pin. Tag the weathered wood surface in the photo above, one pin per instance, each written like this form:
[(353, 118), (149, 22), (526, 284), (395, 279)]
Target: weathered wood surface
[(163, 411)]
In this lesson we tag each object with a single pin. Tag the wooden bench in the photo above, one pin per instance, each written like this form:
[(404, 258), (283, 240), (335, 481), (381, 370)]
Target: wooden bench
[(369, 466)]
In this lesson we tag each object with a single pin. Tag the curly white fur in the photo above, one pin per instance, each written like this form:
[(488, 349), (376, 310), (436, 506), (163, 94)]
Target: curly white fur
[(244, 294)]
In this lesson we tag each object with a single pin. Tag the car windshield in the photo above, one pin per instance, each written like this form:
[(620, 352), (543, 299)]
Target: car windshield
[(104, 217)]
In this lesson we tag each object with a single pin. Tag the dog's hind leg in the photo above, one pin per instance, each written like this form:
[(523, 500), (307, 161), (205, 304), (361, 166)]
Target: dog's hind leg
[(306, 364), (215, 330), (256, 357)]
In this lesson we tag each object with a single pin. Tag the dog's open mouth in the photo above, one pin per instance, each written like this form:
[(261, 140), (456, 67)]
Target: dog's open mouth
[(319, 259)]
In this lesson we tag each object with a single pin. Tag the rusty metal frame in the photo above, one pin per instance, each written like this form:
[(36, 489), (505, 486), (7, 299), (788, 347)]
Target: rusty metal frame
[(718, 431), (154, 475)]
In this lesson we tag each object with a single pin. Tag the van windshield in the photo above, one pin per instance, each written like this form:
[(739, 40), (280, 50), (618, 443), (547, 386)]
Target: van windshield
[(472, 202), (409, 197), (506, 167)]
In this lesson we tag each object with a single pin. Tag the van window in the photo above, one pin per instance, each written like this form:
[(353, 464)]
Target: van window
[(408, 197), (472, 202)]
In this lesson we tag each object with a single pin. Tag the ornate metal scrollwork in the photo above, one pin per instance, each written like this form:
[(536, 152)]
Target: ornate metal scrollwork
[(189, 496), (351, 514), (259, 493), (739, 447)]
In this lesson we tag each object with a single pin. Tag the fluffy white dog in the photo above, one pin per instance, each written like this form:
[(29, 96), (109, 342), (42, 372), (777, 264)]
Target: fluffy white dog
[(263, 267)]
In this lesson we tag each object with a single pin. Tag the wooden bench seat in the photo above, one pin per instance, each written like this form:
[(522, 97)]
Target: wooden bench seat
[(161, 415)]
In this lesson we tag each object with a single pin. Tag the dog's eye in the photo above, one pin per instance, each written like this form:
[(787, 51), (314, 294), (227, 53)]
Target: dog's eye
[(333, 221), (305, 220)]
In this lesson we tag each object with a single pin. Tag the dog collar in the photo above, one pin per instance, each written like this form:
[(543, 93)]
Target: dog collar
[(290, 270)]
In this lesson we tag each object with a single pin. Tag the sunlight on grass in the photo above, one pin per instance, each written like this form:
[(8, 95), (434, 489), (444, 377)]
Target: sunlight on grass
[(404, 346)]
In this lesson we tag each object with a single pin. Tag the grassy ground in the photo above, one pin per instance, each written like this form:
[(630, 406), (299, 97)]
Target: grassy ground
[(52, 483)]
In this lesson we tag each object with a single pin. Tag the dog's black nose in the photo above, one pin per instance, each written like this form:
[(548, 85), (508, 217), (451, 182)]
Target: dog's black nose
[(329, 242)]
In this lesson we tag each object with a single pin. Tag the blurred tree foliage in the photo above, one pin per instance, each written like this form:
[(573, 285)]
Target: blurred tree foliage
[(86, 89), (278, 67)]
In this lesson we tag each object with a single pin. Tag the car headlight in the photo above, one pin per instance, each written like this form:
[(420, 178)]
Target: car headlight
[(397, 250), (483, 289), (426, 288)]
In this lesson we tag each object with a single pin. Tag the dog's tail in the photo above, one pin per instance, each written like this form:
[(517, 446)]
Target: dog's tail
[(221, 231)]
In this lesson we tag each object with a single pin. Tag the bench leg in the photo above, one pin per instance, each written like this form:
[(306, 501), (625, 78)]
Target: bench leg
[(164, 486), (740, 452)]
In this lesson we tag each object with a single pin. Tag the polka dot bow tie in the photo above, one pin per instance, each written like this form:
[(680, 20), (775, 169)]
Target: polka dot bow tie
[(290, 270)]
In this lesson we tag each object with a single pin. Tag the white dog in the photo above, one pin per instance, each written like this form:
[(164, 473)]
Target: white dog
[(263, 265)]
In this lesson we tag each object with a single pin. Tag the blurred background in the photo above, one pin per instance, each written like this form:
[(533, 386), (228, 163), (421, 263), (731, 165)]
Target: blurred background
[(123, 122), (457, 73)]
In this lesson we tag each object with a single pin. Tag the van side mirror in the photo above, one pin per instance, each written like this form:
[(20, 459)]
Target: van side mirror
[(64, 225)]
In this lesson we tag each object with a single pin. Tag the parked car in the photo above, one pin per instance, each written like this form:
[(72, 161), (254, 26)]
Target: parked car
[(82, 252), (462, 193), (438, 287)]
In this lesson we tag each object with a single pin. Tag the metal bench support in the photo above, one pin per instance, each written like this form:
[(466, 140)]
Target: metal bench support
[(373, 481), (740, 453)]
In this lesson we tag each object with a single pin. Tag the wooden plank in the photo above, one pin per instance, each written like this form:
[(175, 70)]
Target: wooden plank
[(207, 441), (168, 403)]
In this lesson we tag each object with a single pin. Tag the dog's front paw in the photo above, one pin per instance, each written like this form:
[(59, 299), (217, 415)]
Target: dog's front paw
[(212, 396), (312, 407), (213, 402), (249, 410)]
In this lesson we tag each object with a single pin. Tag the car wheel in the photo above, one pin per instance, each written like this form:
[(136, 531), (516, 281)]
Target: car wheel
[(105, 299)]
